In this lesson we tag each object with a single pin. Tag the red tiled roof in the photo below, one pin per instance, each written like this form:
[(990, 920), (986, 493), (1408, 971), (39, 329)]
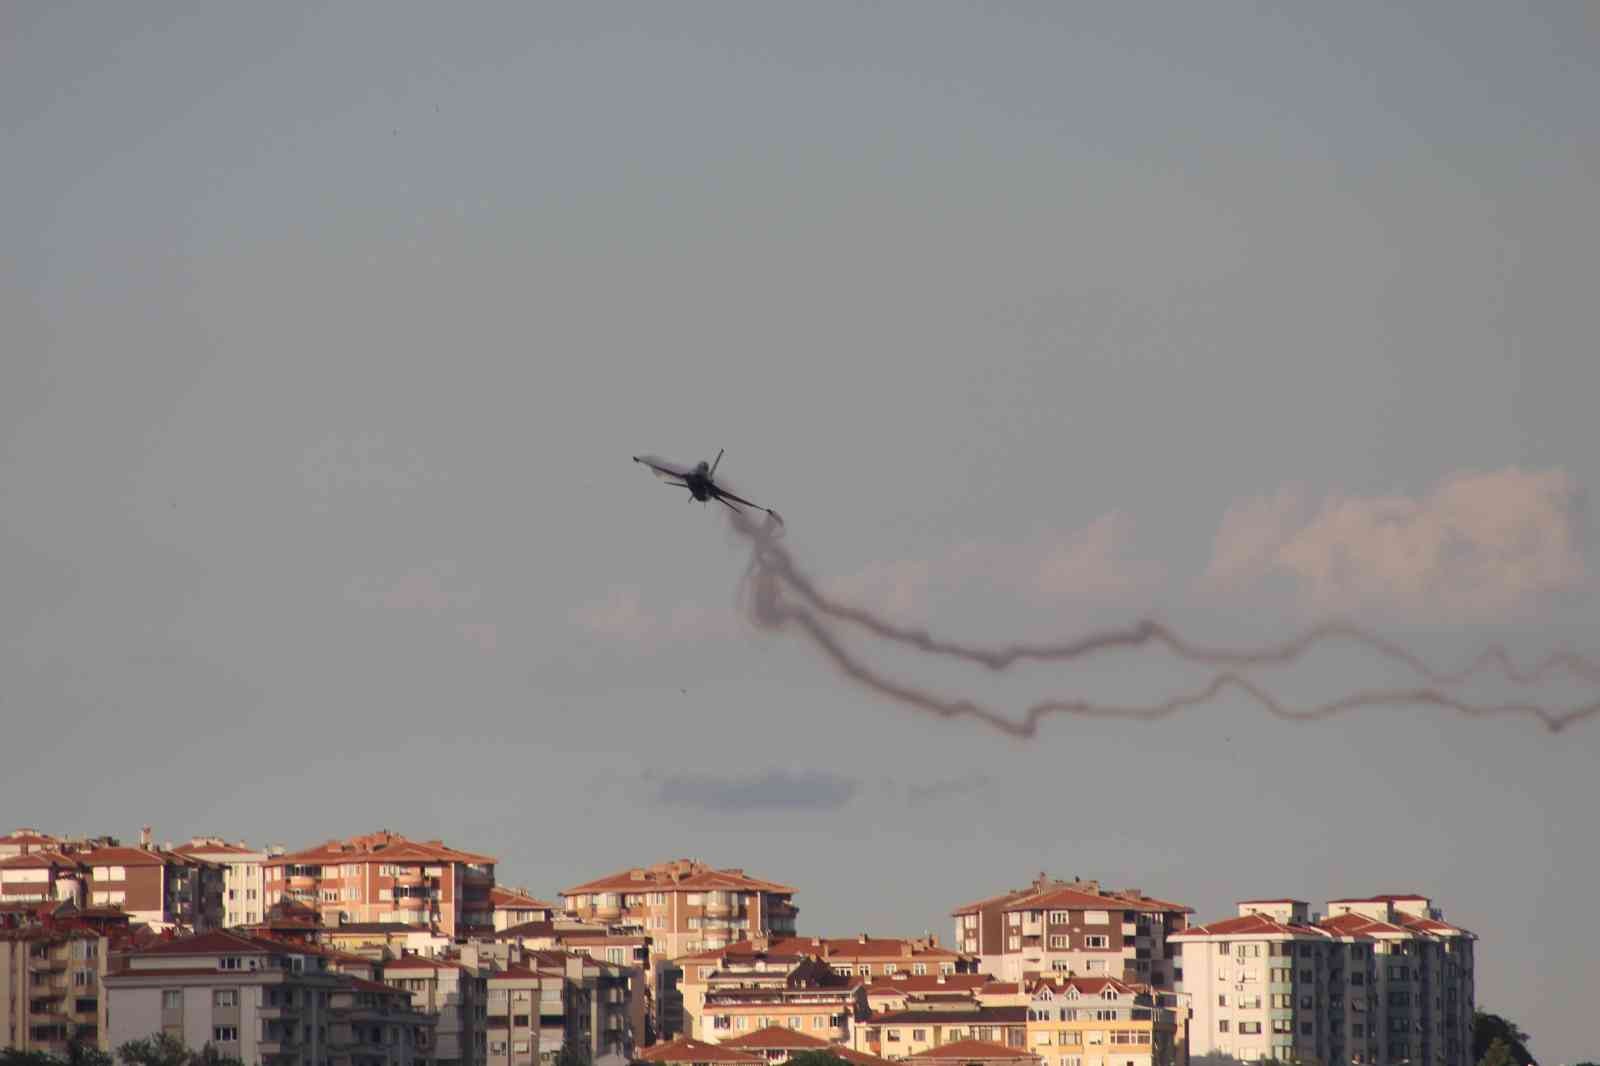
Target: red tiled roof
[(28, 836), (954, 982), (1080, 899), (1387, 897), (418, 962), (1248, 902), (972, 1051), (1247, 925), (121, 856), (775, 1036), (838, 949), (221, 942), (39, 859), (511, 899), (192, 848), (1084, 986), (682, 876), (686, 1049), (379, 847)]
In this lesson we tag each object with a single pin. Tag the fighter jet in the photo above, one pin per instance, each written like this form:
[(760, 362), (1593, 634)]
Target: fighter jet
[(700, 480)]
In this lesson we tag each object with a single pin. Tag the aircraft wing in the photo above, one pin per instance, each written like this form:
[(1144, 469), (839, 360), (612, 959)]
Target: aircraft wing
[(663, 468), (738, 499)]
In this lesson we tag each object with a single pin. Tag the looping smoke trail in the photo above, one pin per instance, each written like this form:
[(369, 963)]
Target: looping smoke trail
[(772, 569)]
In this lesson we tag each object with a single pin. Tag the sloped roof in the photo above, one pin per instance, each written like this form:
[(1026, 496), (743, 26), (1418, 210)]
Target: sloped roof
[(776, 1036), (382, 846), (683, 875), (972, 1051), (687, 1049)]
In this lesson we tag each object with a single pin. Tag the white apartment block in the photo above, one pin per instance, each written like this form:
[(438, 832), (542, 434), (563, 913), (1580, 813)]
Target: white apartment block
[(1381, 980), (244, 886)]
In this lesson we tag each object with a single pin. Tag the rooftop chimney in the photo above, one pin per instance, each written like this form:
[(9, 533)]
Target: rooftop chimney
[(144, 836)]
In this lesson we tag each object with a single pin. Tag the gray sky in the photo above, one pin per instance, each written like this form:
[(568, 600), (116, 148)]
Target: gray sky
[(329, 333)]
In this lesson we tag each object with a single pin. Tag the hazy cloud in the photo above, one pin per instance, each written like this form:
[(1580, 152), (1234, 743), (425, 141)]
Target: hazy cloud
[(803, 790), (1093, 565), (1478, 545), (948, 788), (623, 615)]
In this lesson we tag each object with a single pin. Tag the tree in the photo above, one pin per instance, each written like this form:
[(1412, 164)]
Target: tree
[(164, 1049), (574, 1052), (12, 1057), (1488, 1028)]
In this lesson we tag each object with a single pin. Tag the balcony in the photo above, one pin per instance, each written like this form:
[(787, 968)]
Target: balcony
[(302, 881), (717, 904), (408, 876)]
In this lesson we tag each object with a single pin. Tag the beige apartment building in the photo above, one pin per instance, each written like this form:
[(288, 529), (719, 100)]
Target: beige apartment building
[(685, 906), (1381, 980), (456, 995), (22, 840), (50, 989), (1089, 1021), (514, 906), (266, 1003), (384, 877), (244, 886), (1074, 928)]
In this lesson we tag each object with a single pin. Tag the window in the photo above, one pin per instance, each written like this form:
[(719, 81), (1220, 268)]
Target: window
[(794, 1021), (1305, 1028), (919, 1034), (1096, 942), (228, 962), (1282, 1025), (1096, 917), (497, 1047), (1281, 975), (1059, 943), (1095, 966), (520, 1047), (82, 978), (1281, 1000), (741, 1023), (864, 970), (890, 967), (892, 1035), (1058, 917), (1222, 947), (225, 1034), (947, 967), (1249, 1027), (1222, 999), (1307, 950), (919, 968), (1222, 1026), (172, 999), (225, 997), (816, 1021), (1249, 951)]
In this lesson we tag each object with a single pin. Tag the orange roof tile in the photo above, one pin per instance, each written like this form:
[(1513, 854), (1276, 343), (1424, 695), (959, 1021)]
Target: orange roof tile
[(379, 847), (686, 1049), (973, 1051), (683, 875), (775, 1036)]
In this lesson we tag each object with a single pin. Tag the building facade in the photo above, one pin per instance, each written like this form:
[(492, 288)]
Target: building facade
[(1380, 980), (685, 906), (1074, 928), (244, 888), (1085, 1021), (50, 989), (383, 877)]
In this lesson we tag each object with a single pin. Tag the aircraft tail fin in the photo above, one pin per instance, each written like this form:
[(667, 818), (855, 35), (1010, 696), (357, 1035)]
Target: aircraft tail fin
[(718, 460)]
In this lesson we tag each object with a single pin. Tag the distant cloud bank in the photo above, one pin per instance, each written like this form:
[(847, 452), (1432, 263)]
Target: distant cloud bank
[(1477, 546)]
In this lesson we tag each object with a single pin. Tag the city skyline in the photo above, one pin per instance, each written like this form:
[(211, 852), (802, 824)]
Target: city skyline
[(331, 333)]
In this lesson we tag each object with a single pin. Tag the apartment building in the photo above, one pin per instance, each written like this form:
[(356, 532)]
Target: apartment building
[(744, 992), (161, 888), (454, 994), (1089, 1021), (1381, 980), (260, 1001), (244, 887), (603, 1006), (40, 875), (513, 1023), (22, 840), (930, 1026), (686, 906), (1076, 928), (861, 959), (514, 906), (50, 988), (384, 877)]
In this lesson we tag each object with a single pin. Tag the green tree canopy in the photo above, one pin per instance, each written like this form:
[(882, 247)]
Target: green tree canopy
[(1488, 1028), (815, 1057), (163, 1049)]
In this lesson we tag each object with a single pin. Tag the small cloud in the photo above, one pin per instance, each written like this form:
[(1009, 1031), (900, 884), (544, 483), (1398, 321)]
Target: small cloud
[(948, 788), (1479, 545), (775, 790), (429, 588)]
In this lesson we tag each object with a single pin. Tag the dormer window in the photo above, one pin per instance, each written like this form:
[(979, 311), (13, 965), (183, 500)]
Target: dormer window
[(1109, 993)]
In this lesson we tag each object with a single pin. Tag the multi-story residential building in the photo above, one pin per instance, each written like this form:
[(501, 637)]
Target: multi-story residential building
[(602, 1005), (383, 877), (156, 886), (513, 1022), (244, 887), (262, 1002), (456, 995), (898, 992), (1090, 1021), (931, 1026), (50, 988), (746, 991), (864, 958), (1383, 980), (1074, 928), (23, 840), (686, 906), (514, 906), (40, 875)]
